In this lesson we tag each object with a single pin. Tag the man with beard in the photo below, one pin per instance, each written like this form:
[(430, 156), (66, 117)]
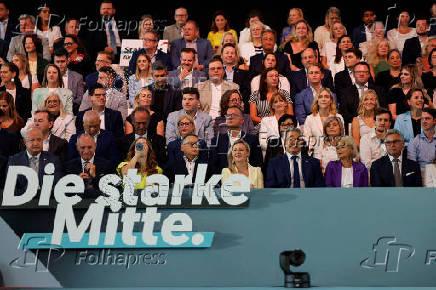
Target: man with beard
[(413, 46)]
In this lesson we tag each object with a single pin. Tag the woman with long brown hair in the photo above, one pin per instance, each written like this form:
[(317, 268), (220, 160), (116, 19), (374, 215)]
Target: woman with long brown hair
[(11, 120)]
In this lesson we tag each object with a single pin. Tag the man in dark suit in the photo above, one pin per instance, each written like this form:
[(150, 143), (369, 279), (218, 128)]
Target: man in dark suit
[(221, 144), (112, 120), (191, 39), (395, 169), (165, 98), (298, 79), (10, 143), (187, 162), (186, 76), (345, 78), (269, 38), (294, 169), (348, 98), (412, 46), (141, 120), (361, 32), (43, 120), (36, 158), (72, 80), (107, 143), (151, 40), (8, 29), (88, 166)]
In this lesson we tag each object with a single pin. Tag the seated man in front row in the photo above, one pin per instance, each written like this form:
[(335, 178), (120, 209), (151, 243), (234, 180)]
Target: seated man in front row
[(294, 169)]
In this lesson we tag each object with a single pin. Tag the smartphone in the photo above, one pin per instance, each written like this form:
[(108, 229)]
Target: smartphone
[(139, 146)]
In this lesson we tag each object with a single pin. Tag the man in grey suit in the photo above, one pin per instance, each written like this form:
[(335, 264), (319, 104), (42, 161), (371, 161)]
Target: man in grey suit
[(72, 80), (191, 39), (190, 104), (212, 89), (186, 76), (115, 100), (175, 31), (27, 26)]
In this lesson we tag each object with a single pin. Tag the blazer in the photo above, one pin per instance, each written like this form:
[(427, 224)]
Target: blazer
[(203, 126), (179, 167), (16, 47), (197, 77), (102, 167), (221, 145), (206, 93), (282, 63), (107, 147), (158, 145), (161, 56), (242, 79), (204, 51), (333, 174), (254, 174), (23, 102), (298, 81), (279, 172), (411, 50), (382, 173), (220, 125), (3, 166), (343, 79), (114, 100), (430, 175), (10, 143), (112, 122), (75, 85), (21, 159), (403, 123), (303, 102), (175, 153), (359, 35), (92, 78), (172, 100), (172, 32), (65, 95), (58, 147)]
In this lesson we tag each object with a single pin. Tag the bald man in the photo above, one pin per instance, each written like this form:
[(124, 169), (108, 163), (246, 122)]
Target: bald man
[(107, 144)]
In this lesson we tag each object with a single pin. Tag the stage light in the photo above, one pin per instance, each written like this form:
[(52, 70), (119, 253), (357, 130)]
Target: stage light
[(294, 279)]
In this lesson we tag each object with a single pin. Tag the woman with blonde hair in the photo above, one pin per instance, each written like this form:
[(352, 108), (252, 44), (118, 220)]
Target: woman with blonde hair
[(142, 77), (295, 14), (143, 98), (323, 106), (249, 49), (322, 33), (302, 38), (145, 24), (142, 157), (237, 158), (28, 80), (328, 52), (364, 122), (378, 56)]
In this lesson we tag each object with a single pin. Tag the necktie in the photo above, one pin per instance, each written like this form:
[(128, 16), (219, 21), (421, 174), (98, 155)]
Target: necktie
[(84, 165), (362, 90), (33, 162), (397, 175), (113, 40), (296, 172)]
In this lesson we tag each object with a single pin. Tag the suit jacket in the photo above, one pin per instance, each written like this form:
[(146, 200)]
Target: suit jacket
[(172, 101), (102, 167), (197, 77), (158, 145), (411, 50), (221, 145), (204, 51), (348, 99), (161, 56), (298, 81), (279, 172), (282, 63), (175, 153), (274, 148), (113, 122), (403, 123), (58, 147), (206, 93), (343, 80), (107, 147), (16, 47), (21, 159), (114, 100), (333, 174), (92, 78), (3, 166), (359, 35), (303, 102), (382, 173), (242, 79), (10, 143), (75, 85), (23, 102), (171, 33)]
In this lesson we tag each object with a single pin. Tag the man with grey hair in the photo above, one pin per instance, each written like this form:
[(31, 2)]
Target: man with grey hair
[(394, 169), (35, 158), (27, 27), (294, 169)]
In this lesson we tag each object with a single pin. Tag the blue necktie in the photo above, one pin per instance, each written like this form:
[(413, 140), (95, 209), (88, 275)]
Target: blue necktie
[(296, 172), (113, 43)]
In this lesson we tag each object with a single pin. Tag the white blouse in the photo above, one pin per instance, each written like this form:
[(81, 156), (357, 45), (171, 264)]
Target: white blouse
[(52, 34), (347, 177)]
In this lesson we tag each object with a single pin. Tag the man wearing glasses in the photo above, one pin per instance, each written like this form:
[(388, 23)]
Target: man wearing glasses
[(394, 169), (175, 31), (221, 143), (103, 59)]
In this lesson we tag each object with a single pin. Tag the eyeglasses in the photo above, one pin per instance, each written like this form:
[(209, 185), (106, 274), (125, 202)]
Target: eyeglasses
[(184, 124), (150, 39), (228, 116), (193, 144), (396, 142), (68, 43)]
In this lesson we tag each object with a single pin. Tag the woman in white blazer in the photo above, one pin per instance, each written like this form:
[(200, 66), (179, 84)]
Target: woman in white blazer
[(323, 107), (430, 175), (238, 164)]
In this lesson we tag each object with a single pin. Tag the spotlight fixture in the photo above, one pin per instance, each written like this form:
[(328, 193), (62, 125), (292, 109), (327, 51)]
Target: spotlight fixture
[(294, 279)]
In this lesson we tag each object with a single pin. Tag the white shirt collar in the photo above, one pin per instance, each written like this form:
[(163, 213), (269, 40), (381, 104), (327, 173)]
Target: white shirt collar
[(139, 136), (30, 156), (290, 155)]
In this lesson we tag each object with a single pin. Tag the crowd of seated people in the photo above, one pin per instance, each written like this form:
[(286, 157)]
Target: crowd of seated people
[(334, 107)]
